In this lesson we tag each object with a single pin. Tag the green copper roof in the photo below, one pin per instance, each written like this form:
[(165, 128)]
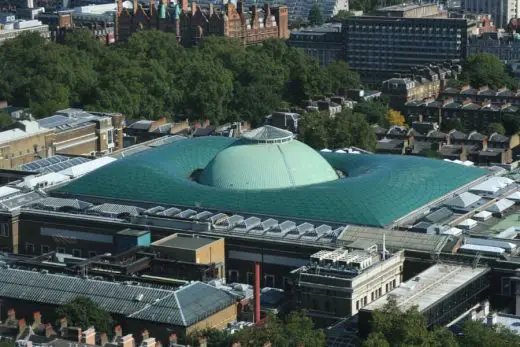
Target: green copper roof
[(378, 190), (246, 165)]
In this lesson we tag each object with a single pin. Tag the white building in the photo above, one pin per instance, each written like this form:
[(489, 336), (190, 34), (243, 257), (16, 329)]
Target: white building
[(12, 29), (502, 11)]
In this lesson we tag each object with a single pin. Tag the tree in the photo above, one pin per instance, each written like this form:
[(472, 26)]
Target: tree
[(450, 124), (312, 130), (315, 15), (478, 334), (84, 313), (7, 343), (298, 329), (341, 16), (341, 78), (394, 117), (511, 123), (374, 111), (496, 128), (485, 69), (392, 327), (351, 129), (5, 119)]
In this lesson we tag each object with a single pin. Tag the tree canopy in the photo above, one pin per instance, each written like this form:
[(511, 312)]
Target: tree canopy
[(296, 330), (319, 130), (315, 15), (82, 312), (485, 69), (392, 327), (394, 117), (496, 128), (151, 76)]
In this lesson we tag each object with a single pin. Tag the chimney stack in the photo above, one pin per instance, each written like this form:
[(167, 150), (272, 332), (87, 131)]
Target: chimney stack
[(193, 8), (89, 336), (127, 341), (37, 320), (149, 342), (173, 339), (49, 330), (118, 332), (11, 314), (103, 339), (492, 319), (485, 307), (203, 342), (73, 334), (145, 334), (21, 325), (257, 293)]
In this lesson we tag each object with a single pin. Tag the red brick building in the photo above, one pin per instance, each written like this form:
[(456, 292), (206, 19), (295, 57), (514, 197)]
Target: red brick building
[(192, 24)]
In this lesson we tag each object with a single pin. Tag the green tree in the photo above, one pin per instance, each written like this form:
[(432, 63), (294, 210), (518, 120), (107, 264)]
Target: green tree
[(5, 119), (214, 337), (477, 334), (511, 123), (315, 15), (496, 128), (450, 124), (374, 111), (84, 313), (406, 328), (485, 69), (352, 129), (341, 78), (341, 16), (298, 329), (7, 343), (312, 130)]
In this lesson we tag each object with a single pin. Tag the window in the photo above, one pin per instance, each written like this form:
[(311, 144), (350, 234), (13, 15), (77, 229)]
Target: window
[(45, 249), (110, 136), (380, 292), (269, 281), (386, 286), (29, 248), (76, 252), (372, 296), (4, 230), (393, 284), (233, 276), (365, 301), (357, 305), (61, 250), (92, 254), (250, 278), (287, 283)]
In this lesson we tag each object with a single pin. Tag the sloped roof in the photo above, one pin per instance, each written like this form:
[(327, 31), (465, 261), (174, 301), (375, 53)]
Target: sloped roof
[(378, 189), (463, 200), (500, 206), (182, 307)]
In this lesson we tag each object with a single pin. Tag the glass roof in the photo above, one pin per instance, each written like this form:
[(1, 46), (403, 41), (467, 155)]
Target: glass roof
[(378, 189)]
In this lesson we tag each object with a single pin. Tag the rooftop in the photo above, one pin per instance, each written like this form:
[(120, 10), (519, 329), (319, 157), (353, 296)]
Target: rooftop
[(183, 307), (429, 287), (186, 242), (377, 190)]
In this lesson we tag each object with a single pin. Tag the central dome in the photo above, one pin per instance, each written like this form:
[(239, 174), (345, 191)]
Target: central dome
[(267, 158)]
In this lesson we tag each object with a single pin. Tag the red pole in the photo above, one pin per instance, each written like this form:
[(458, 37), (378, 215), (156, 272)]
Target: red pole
[(257, 293)]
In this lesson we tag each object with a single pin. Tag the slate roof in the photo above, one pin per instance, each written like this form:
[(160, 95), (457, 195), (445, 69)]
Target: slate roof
[(439, 215), (182, 307)]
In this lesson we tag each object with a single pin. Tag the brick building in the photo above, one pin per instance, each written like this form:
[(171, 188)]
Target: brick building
[(191, 25)]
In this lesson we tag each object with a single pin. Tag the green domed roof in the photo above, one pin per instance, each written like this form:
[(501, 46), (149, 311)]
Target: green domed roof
[(267, 158)]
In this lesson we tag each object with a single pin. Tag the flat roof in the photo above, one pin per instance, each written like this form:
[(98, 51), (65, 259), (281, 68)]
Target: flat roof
[(186, 242), (133, 232), (429, 287), (404, 7)]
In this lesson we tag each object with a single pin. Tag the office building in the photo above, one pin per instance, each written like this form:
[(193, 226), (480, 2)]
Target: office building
[(381, 47), (324, 43), (337, 284), (441, 293), (502, 11)]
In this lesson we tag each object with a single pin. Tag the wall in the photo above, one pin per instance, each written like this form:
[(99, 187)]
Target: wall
[(212, 253), (22, 151), (218, 320), (81, 141)]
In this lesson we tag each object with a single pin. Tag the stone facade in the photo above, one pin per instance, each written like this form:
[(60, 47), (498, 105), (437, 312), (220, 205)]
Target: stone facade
[(191, 25)]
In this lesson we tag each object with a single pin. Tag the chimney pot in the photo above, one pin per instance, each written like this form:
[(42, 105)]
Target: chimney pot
[(103, 338), (118, 331), (173, 338), (127, 341), (21, 325), (49, 330), (89, 336)]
